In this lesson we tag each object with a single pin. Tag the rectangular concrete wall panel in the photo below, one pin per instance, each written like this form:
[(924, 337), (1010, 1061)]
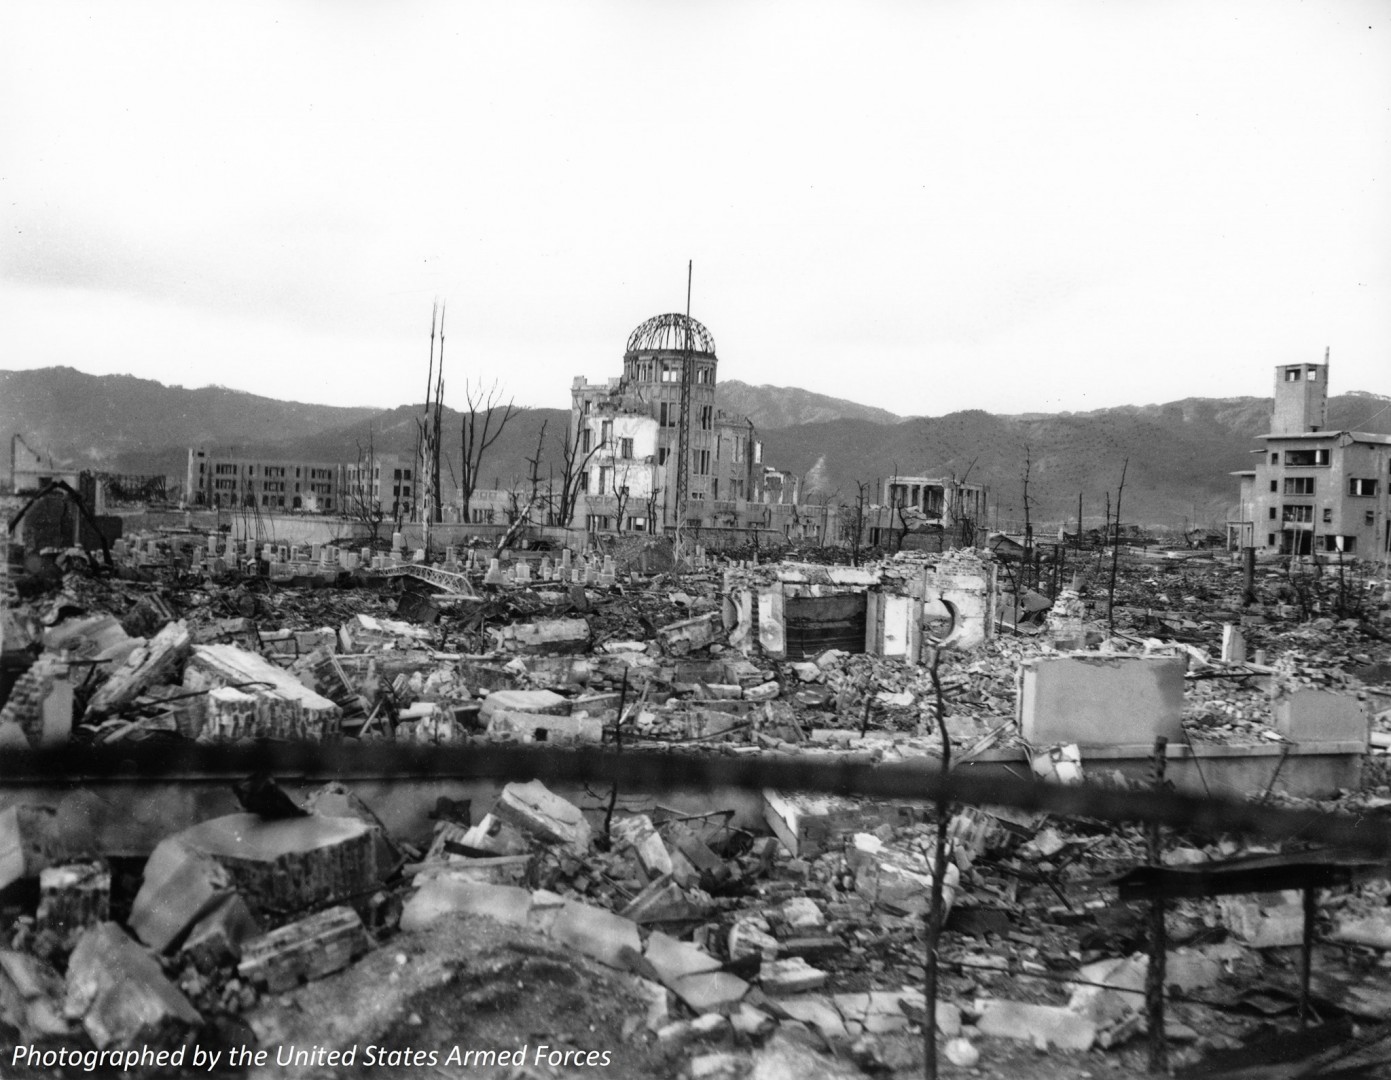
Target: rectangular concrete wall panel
[(1096, 700), (771, 633)]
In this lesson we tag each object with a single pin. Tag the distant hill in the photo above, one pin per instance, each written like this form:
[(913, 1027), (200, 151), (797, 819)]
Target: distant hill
[(89, 420), (1180, 453), (787, 406)]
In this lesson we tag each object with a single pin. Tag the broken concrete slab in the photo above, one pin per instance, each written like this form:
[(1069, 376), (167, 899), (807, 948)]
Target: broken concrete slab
[(535, 809), (119, 992), (440, 897), (1041, 1025), (154, 662), (711, 991), (608, 938), (304, 950), (673, 959), (897, 876), (528, 701), (1094, 699), (291, 864)]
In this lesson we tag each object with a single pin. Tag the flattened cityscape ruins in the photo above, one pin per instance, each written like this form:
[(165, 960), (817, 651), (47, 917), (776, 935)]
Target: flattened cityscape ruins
[(676, 770)]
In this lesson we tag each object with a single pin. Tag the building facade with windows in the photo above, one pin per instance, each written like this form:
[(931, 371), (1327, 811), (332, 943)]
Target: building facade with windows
[(1314, 490), (227, 481), (384, 482)]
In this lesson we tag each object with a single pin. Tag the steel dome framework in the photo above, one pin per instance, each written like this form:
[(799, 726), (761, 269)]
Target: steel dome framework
[(668, 333)]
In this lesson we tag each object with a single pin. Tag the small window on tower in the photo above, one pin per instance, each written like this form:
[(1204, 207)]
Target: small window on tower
[(1291, 374)]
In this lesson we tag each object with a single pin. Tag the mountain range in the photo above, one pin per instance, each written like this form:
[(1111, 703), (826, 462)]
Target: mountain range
[(1177, 456)]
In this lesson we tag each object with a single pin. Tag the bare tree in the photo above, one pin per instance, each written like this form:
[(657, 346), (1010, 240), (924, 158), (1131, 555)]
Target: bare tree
[(484, 419), (853, 520), (653, 502), (1026, 572), (428, 433), (1115, 556), (621, 495), (573, 463), (363, 505)]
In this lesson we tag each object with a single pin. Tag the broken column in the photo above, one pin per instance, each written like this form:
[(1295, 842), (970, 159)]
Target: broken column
[(291, 864)]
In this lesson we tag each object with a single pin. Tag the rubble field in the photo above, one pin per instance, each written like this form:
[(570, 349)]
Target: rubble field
[(528, 929)]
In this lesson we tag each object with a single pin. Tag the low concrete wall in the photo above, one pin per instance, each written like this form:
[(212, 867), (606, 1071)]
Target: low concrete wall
[(1311, 770), (1101, 699)]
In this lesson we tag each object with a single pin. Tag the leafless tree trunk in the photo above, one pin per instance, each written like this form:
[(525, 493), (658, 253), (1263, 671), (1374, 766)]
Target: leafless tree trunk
[(572, 469), (485, 418), (363, 505), (1115, 556)]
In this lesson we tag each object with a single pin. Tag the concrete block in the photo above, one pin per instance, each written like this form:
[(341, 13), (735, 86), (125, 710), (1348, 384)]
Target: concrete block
[(608, 938), (218, 936), (534, 809), (29, 841), (1096, 700), (553, 637), (680, 638), (1321, 716), (530, 727), (303, 951), (1265, 925), (179, 887), (791, 976), (898, 877), (807, 825), (117, 989), (638, 833), (74, 897)]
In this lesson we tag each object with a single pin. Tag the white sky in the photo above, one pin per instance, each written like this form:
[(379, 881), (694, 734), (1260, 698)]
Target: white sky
[(926, 206)]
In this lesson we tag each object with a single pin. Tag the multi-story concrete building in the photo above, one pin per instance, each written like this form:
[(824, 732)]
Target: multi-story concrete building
[(627, 432), (224, 480), (1314, 490), (384, 482)]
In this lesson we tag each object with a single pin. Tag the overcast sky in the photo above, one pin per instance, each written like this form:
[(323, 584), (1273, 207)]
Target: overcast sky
[(925, 206)]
